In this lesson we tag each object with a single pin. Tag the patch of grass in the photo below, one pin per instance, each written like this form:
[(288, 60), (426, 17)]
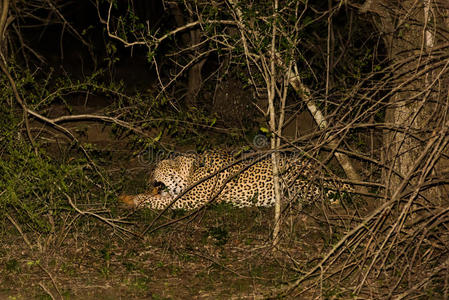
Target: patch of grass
[(158, 297), (222, 207), (68, 268), (219, 234), (43, 297), (129, 266), (12, 265), (141, 284), (185, 257)]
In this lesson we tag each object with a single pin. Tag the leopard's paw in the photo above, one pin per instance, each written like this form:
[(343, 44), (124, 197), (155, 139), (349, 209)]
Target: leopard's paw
[(128, 200)]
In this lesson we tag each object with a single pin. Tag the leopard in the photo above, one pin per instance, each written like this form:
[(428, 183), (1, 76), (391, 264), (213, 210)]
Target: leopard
[(175, 173), (192, 181)]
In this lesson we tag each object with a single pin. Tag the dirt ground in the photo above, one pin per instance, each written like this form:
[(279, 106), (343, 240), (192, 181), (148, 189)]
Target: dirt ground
[(222, 253), (219, 253)]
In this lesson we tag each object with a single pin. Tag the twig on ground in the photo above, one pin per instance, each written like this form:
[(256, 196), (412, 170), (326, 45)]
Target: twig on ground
[(111, 222), (52, 280), (19, 230), (42, 285)]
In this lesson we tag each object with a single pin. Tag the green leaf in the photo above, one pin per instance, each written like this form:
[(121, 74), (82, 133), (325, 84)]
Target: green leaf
[(156, 139)]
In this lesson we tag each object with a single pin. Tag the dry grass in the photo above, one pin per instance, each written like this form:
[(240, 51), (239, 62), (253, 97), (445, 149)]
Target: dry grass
[(225, 253)]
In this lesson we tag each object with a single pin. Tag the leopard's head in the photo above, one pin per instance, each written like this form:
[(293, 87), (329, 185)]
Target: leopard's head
[(172, 175)]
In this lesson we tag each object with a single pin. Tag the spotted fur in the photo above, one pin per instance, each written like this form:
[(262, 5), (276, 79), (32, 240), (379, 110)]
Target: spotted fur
[(175, 173), (239, 182)]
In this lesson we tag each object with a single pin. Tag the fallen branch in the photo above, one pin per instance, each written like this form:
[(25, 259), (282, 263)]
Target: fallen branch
[(111, 222)]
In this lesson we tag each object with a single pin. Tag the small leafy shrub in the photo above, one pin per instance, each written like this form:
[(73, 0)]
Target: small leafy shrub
[(34, 188)]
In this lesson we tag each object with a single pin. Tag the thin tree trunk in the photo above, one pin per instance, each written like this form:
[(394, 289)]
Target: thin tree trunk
[(275, 137), (343, 159), (195, 78)]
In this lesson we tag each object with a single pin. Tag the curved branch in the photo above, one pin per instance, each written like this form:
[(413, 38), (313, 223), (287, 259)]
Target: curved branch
[(3, 19)]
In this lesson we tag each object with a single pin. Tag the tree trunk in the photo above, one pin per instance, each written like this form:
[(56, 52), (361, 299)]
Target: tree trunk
[(191, 39), (409, 28)]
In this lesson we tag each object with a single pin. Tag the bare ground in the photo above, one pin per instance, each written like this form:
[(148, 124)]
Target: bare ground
[(224, 253)]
